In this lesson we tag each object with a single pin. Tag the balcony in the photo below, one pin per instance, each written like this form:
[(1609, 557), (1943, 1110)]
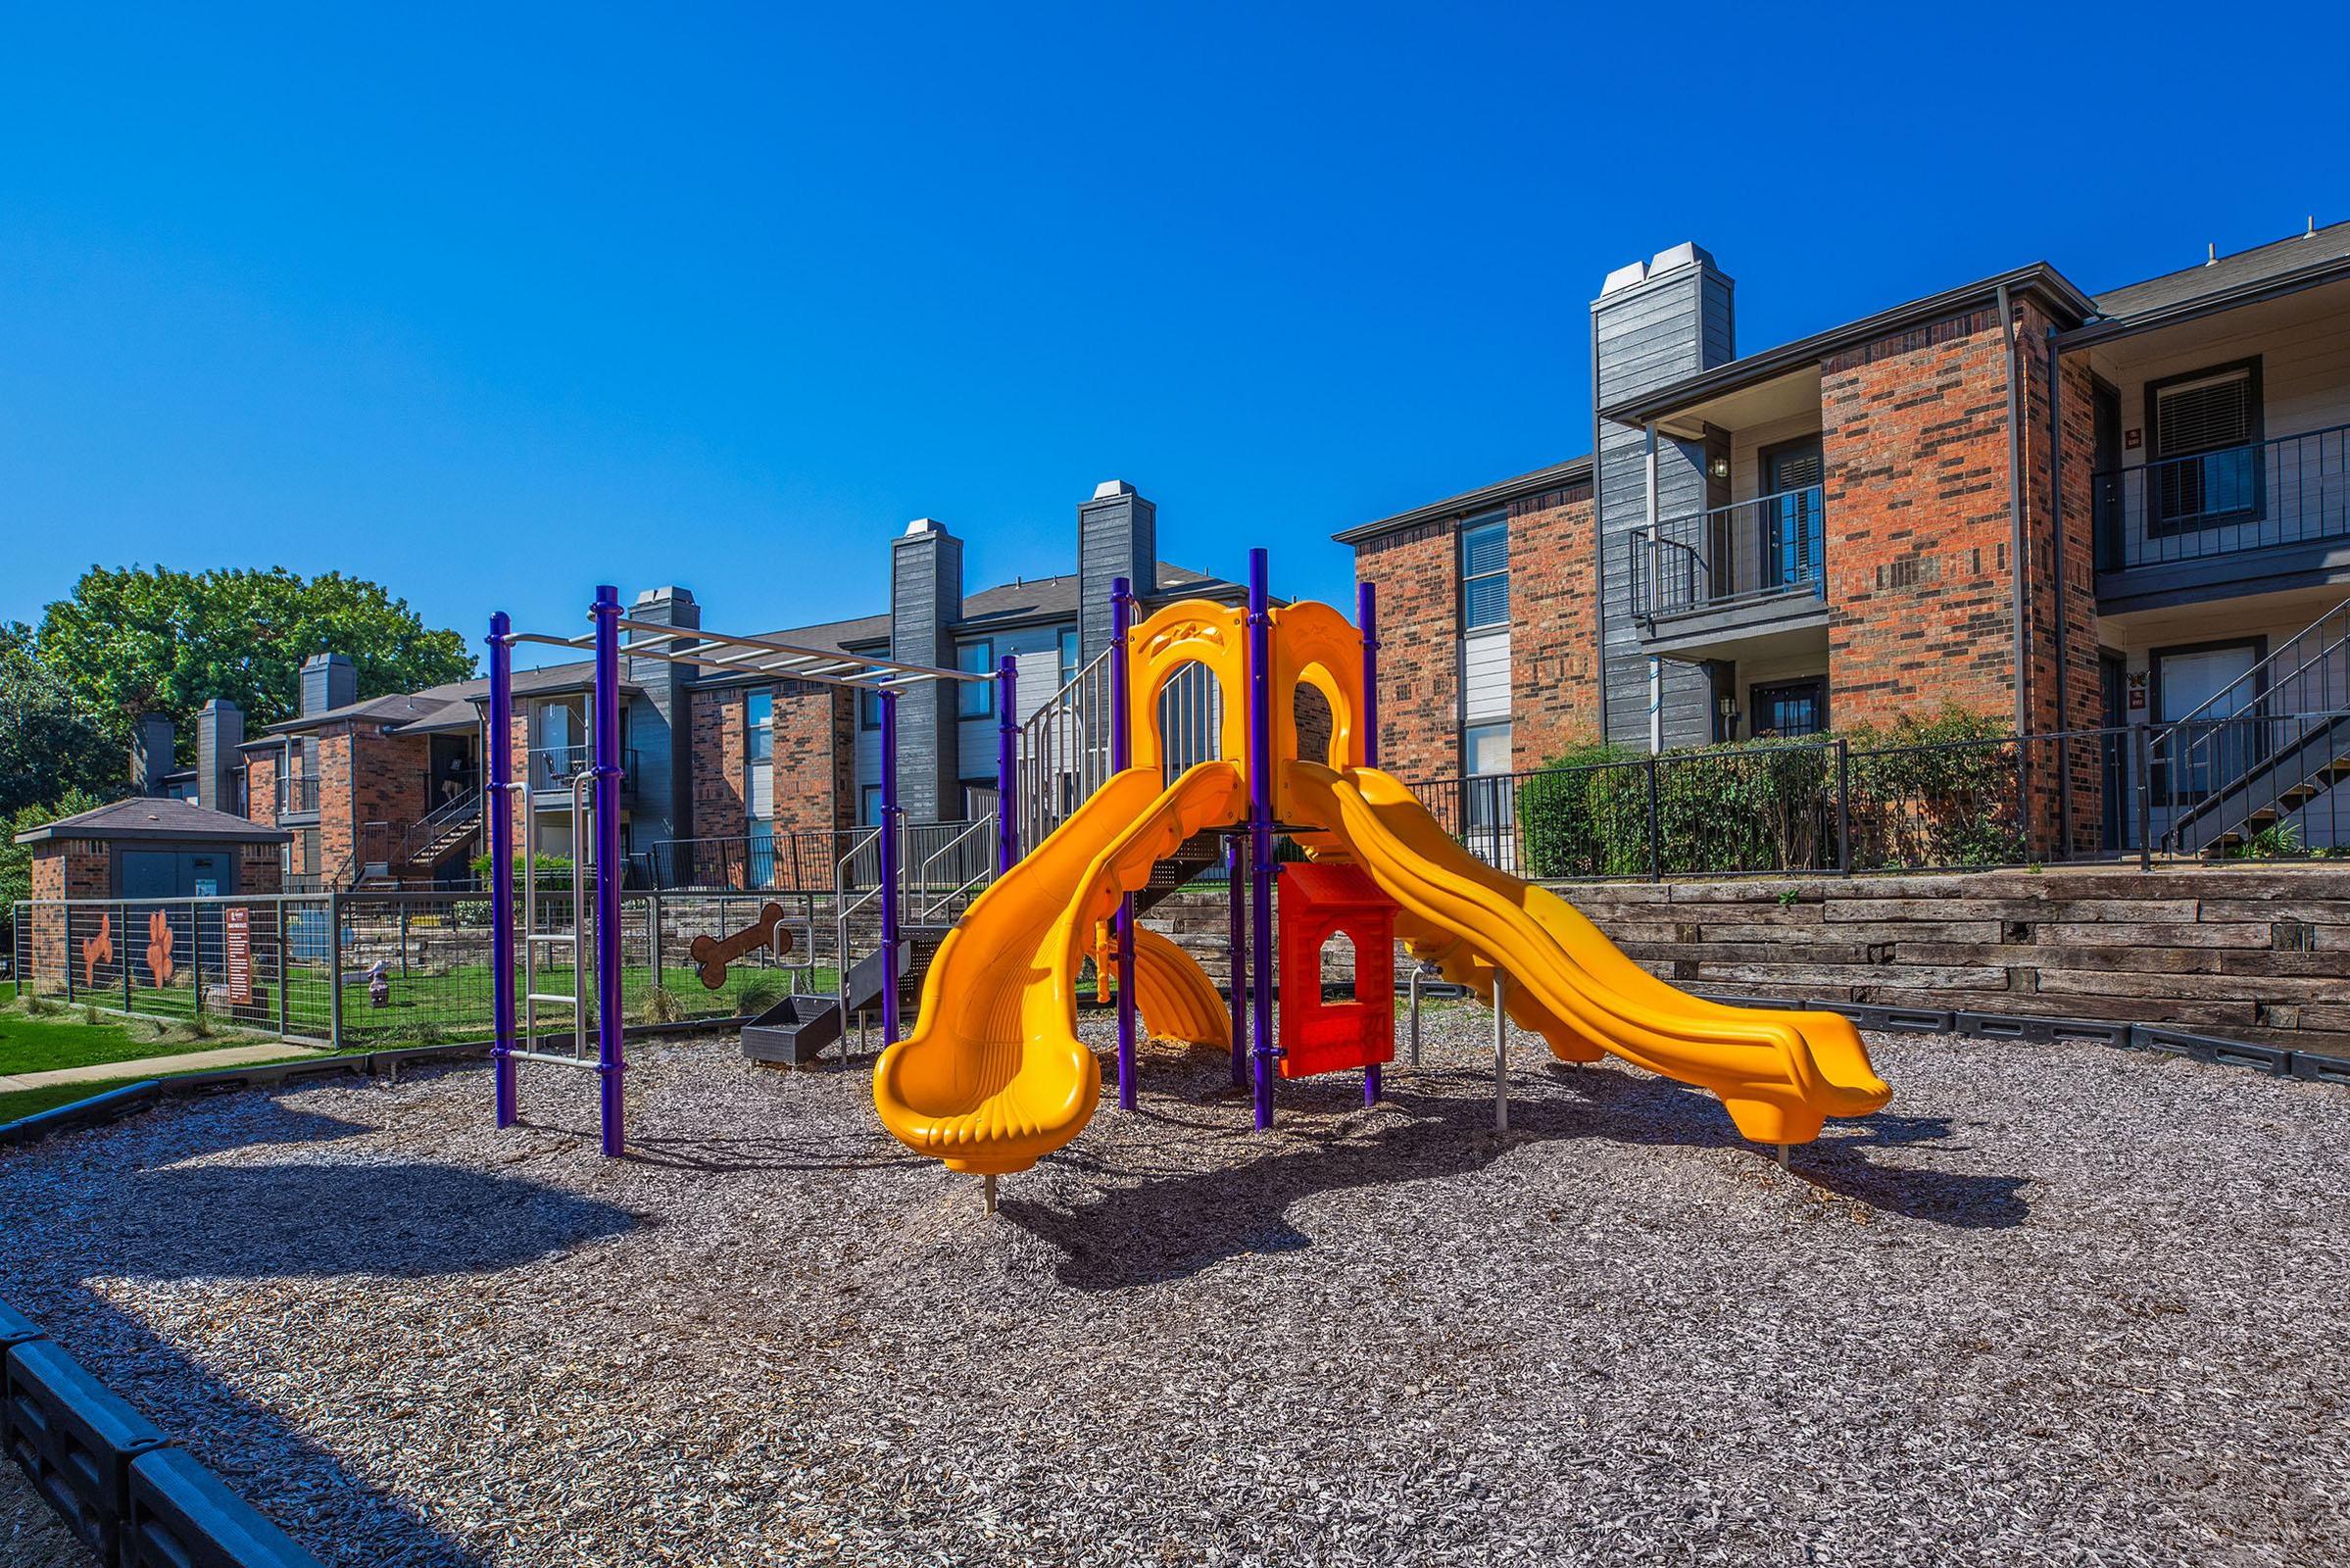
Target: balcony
[(297, 797), (552, 768), (1711, 583), (2217, 521)]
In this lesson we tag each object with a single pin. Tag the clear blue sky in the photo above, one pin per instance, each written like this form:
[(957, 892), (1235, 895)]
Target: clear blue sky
[(493, 303)]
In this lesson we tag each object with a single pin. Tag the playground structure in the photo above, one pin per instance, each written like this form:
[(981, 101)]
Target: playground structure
[(994, 1077), (593, 940)]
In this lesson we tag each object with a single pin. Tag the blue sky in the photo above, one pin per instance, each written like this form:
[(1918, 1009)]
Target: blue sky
[(494, 304)]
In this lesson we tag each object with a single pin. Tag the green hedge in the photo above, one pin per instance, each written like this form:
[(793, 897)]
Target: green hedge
[(1770, 805)]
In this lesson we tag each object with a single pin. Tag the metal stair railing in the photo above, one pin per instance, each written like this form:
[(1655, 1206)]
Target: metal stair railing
[(2263, 746), (440, 829), (947, 879), (1063, 752)]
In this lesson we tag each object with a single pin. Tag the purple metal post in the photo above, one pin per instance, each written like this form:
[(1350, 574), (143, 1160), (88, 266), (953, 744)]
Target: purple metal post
[(889, 815), (501, 765), (1121, 757), (607, 789), (1237, 886), (1261, 824), (1366, 621), (1008, 765)]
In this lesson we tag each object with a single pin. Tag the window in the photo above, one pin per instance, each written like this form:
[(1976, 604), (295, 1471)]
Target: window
[(2204, 448), (869, 806), (1484, 748), (975, 699), (759, 755), (759, 855), (1791, 708), (1484, 573), (869, 707), (1068, 654)]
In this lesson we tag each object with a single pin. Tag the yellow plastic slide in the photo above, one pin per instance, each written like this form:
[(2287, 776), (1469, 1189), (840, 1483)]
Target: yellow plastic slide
[(993, 1076), (1778, 1073)]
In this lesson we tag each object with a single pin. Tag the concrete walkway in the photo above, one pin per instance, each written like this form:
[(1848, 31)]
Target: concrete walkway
[(150, 1067)]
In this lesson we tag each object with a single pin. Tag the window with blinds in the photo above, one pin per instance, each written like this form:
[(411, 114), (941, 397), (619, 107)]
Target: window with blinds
[(1484, 573), (2205, 448)]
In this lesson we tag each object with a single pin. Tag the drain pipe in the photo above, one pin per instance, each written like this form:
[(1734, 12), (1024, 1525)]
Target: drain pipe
[(2015, 515)]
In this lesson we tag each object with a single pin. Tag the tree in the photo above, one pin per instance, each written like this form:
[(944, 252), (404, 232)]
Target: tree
[(48, 743), (16, 860), (142, 640)]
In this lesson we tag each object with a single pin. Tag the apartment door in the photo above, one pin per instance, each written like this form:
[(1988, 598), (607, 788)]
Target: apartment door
[(2105, 481), (1790, 523), (2203, 691), (2113, 683), (1791, 708)]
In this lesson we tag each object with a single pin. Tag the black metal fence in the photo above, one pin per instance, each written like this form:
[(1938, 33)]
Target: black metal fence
[(1829, 805)]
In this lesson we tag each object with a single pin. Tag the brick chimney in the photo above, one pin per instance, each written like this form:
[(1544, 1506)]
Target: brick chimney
[(1117, 536), (926, 601), (660, 727)]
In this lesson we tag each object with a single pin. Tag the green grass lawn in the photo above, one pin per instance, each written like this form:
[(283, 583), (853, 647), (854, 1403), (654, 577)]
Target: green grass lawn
[(65, 1038), (19, 1102)]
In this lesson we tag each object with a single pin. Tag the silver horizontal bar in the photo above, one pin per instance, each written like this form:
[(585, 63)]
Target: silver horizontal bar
[(553, 1057), (931, 671), (552, 1000)]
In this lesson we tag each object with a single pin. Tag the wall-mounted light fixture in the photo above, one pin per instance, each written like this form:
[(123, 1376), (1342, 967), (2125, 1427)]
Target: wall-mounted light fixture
[(1718, 468)]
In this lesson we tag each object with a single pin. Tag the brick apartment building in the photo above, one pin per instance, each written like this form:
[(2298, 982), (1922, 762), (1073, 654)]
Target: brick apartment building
[(2065, 511), (721, 774)]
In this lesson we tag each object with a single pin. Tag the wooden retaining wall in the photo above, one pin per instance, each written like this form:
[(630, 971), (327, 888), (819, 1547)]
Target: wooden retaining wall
[(2252, 953)]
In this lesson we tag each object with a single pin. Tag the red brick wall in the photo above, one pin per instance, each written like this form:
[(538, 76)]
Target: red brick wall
[(1915, 446), (67, 868), (1417, 574), (814, 764), (1555, 625), (260, 787), (258, 869), (717, 755), (2068, 779), (389, 782)]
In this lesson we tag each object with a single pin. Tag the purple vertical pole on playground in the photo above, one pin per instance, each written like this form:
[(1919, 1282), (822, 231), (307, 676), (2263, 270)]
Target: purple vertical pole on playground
[(1237, 887), (1366, 621), (889, 866), (1261, 824), (500, 764), (607, 788), (1008, 765), (1121, 757)]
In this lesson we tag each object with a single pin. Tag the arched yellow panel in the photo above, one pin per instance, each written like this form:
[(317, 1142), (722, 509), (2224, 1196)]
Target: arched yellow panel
[(1190, 631), (1314, 644)]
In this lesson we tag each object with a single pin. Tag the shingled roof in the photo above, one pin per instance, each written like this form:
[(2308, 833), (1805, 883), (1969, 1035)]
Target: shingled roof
[(157, 819)]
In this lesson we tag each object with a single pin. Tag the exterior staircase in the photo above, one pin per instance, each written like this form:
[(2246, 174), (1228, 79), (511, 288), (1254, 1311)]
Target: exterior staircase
[(2264, 753)]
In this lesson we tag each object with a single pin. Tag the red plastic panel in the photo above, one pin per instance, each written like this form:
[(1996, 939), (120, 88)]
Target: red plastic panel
[(1318, 900)]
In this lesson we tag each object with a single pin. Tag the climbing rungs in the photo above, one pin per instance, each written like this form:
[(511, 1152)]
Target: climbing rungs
[(552, 936), (565, 999)]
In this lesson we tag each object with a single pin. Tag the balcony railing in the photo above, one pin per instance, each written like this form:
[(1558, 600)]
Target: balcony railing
[(1748, 550), (296, 795), (2291, 490), (552, 767)]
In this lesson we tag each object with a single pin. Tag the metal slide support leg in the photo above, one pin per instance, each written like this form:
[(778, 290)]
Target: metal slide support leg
[(1237, 895), (1366, 625), (1501, 1053), (1121, 757), (890, 827), (1416, 973), (610, 1066)]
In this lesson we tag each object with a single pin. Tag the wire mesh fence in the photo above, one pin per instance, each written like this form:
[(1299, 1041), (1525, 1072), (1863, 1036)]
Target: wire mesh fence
[(375, 969)]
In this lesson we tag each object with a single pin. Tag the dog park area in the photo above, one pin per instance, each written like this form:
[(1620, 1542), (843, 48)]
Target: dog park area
[(2062, 1302)]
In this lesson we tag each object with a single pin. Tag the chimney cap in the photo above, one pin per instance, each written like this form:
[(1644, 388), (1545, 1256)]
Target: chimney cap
[(669, 591), (1112, 487), (922, 525), (1689, 253), (1630, 275)]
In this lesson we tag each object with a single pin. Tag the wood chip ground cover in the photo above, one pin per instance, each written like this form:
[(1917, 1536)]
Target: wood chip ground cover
[(2059, 1304)]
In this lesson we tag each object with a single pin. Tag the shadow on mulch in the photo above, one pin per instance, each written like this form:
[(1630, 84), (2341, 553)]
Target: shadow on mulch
[(1172, 1226)]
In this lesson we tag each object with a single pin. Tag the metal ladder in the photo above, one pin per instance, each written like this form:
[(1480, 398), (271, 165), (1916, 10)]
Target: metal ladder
[(582, 1053)]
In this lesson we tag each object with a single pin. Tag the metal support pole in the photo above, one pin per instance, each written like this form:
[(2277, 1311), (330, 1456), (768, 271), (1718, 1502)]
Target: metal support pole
[(285, 972), (334, 968), (2141, 755), (1501, 1053), (1235, 890), (1418, 973), (653, 933), (123, 919), (1843, 805), (1007, 763), (889, 815), (499, 762), (1366, 621), (1260, 823), (1121, 757), (196, 956), (1656, 849), (609, 1067)]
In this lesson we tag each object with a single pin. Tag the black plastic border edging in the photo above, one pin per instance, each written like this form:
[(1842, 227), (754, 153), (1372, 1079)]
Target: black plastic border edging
[(127, 1098), (2279, 1061), (119, 1485)]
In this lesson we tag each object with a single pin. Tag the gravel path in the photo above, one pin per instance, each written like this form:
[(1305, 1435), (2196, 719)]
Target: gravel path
[(2060, 1304)]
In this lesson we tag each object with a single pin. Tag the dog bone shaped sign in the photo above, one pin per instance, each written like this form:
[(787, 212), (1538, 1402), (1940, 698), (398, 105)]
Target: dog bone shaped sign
[(711, 954)]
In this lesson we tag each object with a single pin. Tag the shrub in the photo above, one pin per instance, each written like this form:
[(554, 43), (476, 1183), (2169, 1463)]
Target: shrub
[(662, 1006), (1935, 792), (552, 872), (1585, 814)]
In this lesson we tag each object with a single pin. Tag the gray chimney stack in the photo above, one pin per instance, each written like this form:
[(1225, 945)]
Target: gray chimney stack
[(926, 601), (151, 744), (219, 732), (1653, 323), (1117, 536), (328, 681), (661, 743)]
